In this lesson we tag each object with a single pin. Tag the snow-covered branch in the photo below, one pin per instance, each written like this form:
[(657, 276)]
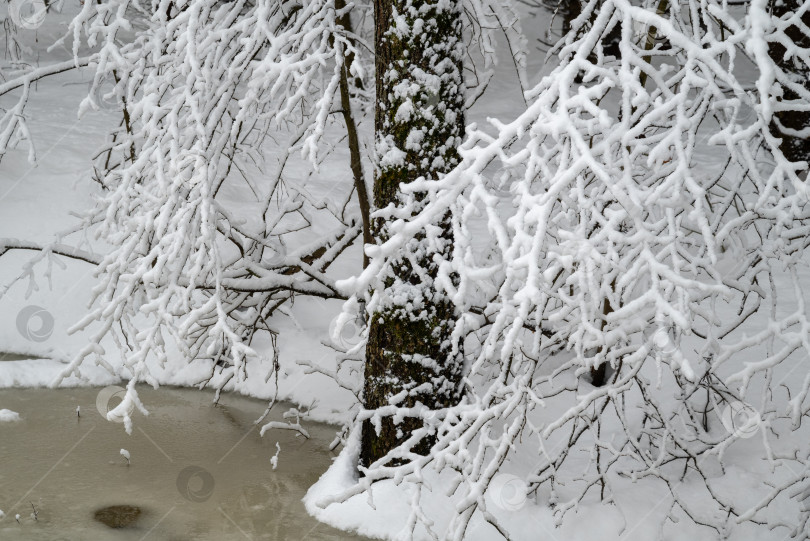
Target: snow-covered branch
[(597, 214)]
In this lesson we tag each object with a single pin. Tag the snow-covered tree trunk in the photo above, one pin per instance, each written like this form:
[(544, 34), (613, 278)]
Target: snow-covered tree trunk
[(790, 122), (411, 356)]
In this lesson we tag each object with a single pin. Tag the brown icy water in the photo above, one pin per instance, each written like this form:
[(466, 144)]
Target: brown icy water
[(198, 471)]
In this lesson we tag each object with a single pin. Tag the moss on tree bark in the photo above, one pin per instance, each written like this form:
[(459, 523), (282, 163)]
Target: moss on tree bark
[(794, 148), (419, 122)]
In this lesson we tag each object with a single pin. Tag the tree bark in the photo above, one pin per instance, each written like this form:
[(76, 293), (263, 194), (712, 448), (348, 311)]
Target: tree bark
[(571, 9), (794, 148), (355, 159), (419, 123)]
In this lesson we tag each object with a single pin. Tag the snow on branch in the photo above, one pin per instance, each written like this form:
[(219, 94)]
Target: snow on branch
[(642, 212), (209, 92)]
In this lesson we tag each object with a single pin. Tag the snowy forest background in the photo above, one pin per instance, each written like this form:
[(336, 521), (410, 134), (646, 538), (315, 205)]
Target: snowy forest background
[(581, 315)]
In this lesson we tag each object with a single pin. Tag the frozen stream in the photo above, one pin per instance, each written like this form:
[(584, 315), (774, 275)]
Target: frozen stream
[(198, 471)]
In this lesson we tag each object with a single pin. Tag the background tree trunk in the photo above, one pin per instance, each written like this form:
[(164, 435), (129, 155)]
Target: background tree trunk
[(571, 9), (355, 157), (794, 148), (419, 123)]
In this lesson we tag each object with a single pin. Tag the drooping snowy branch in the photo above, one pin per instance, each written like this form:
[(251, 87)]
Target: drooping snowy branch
[(204, 89), (597, 214)]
